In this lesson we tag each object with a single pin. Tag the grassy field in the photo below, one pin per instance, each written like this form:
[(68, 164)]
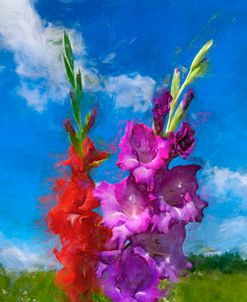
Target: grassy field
[(214, 279)]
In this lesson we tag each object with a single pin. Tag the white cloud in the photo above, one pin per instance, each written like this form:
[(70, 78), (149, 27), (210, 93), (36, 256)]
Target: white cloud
[(233, 234), (131, 91), (235, 227), (41, 70), (224, 184), (224, 227), (37, 55), (108, 59), (21, 257), (33, 97)]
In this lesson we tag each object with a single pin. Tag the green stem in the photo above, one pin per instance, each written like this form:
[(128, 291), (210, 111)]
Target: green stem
[(174, 103)]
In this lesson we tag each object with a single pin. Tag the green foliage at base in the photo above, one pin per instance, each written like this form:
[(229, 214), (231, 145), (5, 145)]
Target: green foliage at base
[(212, 286), (29, 287), (214, 279)]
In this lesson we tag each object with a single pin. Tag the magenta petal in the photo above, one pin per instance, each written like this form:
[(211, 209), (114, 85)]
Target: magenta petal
[(162, 222), (125, 209), (119, 236), (143, 152), (145, 176), (140, 223), (162, 155), (113, 216)]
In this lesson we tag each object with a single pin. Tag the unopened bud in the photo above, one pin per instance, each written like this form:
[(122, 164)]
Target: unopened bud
[(201, 54), (187, 99), (91, 119), (175, 83), (69, 128), (72, 96)]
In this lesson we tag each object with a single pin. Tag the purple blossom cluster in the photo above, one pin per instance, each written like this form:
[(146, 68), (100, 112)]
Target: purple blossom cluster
[(149, 210)]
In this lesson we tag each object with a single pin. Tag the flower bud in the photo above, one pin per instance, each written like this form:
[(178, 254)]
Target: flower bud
[(175, 83), (90, 119), (161, 107), (187, 99), (184, 140), (69, 128), (201, 54)]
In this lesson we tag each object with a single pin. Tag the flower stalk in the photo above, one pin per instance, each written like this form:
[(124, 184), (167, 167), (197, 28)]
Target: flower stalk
[(76, 95), (197, 69)]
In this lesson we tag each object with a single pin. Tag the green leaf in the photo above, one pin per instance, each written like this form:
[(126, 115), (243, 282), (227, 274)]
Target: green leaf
[(68, 51), (75, 102), (175, 83), (200, 55), (69, 72), (79, 83)]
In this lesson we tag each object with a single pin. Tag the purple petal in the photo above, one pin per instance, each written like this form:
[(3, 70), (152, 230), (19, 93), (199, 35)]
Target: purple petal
[(175, 183), (165, 249), (132, 277)]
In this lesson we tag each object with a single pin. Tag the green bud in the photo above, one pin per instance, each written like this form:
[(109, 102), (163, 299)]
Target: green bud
[(178, 116), (199, 71), (201, 54), (175, 83)]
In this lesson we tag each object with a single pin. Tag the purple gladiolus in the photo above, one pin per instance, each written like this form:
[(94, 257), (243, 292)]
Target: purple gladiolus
[(125, 207), (176, 192), (130, 277), (143, 153), (165, 249), (161, 107), (147, 213)]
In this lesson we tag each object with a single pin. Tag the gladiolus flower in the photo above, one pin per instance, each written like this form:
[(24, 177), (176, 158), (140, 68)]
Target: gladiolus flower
[(131, 277), (143, 153), (81, 233)]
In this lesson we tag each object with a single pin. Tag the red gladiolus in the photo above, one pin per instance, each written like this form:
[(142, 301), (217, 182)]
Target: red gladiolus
[(79, 227)]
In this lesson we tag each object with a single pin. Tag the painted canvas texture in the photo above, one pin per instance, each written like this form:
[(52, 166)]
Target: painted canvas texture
[(123, 171)]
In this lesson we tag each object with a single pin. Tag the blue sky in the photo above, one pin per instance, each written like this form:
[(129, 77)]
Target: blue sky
[(127, 48)]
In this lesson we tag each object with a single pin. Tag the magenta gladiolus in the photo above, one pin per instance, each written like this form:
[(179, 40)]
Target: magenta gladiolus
[(143, 153), (148, 211)]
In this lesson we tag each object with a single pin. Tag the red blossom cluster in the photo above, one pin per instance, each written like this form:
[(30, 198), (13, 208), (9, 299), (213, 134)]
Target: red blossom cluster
[(78, 225)]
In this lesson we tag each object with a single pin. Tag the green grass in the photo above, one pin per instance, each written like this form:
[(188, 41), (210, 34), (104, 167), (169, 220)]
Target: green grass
[(214, 279), (29, 287), (212, 286)]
